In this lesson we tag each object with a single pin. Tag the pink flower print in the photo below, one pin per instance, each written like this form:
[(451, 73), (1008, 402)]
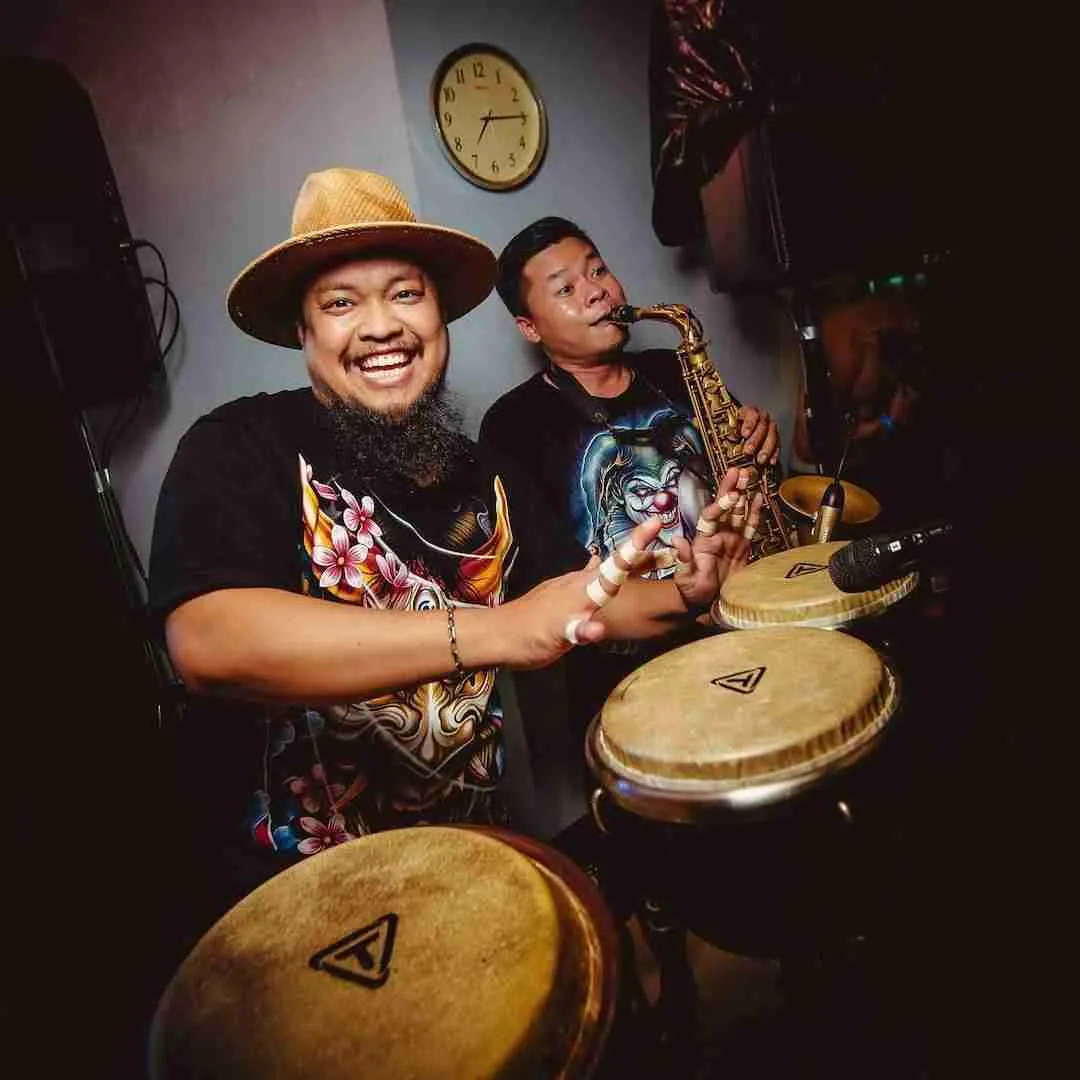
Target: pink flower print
[(325, 490), (313, 790), (394, 570), (342, 558), (322, 836), (359, 516)]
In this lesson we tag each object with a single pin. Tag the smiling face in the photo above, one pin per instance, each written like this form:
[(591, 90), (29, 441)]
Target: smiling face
[(373, 334), (568, 292)]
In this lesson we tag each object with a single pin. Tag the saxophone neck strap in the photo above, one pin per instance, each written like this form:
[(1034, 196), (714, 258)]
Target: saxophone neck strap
[(595, 409), (592, 409)]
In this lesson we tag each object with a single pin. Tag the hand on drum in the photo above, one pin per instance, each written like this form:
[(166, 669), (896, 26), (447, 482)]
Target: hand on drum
[(721, 543), (560, 613)]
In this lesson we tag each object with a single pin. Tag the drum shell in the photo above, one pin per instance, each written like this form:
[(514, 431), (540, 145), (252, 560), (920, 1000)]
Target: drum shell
[(769, 844), (568, 1038), (777, 879)]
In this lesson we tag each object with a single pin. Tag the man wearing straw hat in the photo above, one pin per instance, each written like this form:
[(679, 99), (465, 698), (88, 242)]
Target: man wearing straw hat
[(344, 571)]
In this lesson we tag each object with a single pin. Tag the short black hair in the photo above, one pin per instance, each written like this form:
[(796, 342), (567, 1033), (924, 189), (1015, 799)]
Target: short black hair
[(533, 239)]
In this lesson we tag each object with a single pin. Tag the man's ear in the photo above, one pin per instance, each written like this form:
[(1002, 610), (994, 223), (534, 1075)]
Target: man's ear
[(527, 328), (301, 332)]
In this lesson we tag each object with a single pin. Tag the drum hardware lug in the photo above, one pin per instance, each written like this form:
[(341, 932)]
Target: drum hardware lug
[(594, 807)]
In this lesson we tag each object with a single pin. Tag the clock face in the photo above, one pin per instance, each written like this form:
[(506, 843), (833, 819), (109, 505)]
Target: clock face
[(490, 121)]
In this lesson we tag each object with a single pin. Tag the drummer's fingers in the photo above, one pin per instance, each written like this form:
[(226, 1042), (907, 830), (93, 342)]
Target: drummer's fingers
[(753, 517), (712, 516), (611, 573), (739, 514), (729, 480), (684, 555)]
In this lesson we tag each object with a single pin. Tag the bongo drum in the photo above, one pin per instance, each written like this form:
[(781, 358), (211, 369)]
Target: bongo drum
[(431, 952), (739, 720), (793, 588)]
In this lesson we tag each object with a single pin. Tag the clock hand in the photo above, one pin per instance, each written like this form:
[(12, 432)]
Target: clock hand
[(512, 116), (487, 120)]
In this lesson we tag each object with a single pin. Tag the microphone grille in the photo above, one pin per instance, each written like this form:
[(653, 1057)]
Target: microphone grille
[(855, 568)]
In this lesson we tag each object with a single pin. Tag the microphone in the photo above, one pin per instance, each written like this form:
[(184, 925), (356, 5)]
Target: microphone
[(873, 561), (829, 512)]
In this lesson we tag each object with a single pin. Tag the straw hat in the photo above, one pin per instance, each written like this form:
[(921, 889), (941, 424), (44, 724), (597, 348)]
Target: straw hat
[(344, 213)]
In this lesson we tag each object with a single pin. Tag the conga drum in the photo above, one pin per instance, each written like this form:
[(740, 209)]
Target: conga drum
[(793, 588), (430, 952), (724, 760)]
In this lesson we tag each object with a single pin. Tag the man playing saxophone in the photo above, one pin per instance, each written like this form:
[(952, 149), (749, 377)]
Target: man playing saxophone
[(606, 433)]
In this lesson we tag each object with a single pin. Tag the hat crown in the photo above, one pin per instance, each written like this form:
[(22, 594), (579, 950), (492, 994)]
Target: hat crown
[(338, 198)]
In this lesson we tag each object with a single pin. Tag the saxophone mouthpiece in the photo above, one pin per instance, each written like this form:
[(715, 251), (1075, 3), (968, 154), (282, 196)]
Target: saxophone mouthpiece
[(623, 313)]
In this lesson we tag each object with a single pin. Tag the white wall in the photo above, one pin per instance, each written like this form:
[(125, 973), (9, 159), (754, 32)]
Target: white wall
[(212, 114), (590, 65)]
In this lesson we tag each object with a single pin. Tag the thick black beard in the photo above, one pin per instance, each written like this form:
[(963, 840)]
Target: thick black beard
[(417, 448)]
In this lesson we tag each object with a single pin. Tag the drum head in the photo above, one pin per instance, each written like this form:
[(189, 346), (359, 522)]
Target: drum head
[(793, 588), (739, 720), (433, 952)]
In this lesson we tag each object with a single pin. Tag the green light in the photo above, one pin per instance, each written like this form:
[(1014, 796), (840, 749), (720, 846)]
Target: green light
[(896, 280)]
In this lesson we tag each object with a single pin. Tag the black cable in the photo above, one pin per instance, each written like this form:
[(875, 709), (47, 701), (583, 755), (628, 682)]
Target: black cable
[(167, 296), (176, 322), (126, 414), (136, 244)]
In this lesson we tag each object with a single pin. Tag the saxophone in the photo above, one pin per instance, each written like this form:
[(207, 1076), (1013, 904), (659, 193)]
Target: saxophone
[(715, 418)]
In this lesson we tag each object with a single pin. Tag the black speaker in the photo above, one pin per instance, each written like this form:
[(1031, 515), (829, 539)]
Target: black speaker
[(65, 228), (806, 194)]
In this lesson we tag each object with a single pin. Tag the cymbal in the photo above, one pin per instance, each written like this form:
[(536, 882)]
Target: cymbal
[(802, 495)]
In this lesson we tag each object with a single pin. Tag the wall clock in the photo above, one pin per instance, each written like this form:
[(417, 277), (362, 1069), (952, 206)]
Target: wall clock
[(488, 117)]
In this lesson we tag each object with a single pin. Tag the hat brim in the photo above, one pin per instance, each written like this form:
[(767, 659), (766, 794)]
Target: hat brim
[(264, 299)]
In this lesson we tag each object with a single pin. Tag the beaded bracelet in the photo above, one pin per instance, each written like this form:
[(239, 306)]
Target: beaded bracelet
[(451, 632)]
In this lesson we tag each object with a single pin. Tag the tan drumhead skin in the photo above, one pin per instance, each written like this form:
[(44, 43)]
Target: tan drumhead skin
[(802, 494), (494, 970), (793, 588), (758, 707)]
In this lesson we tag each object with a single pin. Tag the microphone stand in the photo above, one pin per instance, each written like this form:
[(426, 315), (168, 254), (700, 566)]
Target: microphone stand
[(830, 510), (128, 590)]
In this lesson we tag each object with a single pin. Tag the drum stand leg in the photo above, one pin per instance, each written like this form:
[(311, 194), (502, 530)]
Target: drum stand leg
[(676, 1006)]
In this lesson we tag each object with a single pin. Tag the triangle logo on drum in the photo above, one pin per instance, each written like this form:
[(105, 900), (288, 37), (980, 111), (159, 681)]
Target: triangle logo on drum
[(801, 569), (744, 682), (363, 956)]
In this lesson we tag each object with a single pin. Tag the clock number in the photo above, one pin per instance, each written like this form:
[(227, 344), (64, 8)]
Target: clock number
[(448, 118), (513, 159), (498, 75), (495, 167), (459, 75), (513, 91), (476, 161), (457, 144), (448, 93), (521, 142), (478, 69)]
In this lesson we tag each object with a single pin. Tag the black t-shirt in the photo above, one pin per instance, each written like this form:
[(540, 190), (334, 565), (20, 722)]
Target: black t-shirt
[(257, 496), (601, 479)]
